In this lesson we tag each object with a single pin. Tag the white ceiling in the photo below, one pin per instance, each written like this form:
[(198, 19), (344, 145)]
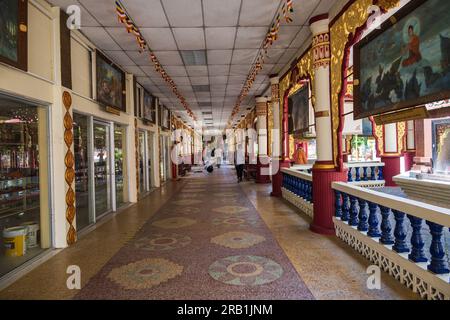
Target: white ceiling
[(229, 31)]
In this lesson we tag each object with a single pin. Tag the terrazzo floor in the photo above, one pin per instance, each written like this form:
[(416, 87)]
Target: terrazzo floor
[(206, 237)]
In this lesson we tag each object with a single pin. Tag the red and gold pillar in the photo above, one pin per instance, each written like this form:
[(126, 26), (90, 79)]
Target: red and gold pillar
[(277, 150), (324, 170)]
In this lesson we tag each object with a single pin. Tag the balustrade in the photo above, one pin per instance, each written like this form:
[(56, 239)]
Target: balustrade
[(369, 171), (398, 225)]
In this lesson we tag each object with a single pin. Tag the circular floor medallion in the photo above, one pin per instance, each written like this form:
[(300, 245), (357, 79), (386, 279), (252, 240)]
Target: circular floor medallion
[(238, 240), (162, 242), (145, 274), (235, 221), (231, 209), (185, 210), (245, 270), (174, 223)]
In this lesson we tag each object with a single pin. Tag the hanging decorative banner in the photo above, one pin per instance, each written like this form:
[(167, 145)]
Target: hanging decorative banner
[(143, 46), (285, 12)]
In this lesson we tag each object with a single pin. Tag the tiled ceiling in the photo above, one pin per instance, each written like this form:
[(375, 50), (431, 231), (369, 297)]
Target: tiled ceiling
[(206, 46)]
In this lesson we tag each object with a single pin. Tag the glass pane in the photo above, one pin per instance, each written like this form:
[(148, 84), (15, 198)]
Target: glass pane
[(24, 211), (149, 159), (82, 172), (119, 143), (101, 169), (141, 162)]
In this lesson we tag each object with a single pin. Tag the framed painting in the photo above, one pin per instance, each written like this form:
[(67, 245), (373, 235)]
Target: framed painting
[(110, 84), (299, 111), (13, 33), (149, 107), (405, 63)]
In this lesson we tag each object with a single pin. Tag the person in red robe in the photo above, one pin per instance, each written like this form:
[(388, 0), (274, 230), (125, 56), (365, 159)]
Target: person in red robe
[(300, 156), (413, 48)]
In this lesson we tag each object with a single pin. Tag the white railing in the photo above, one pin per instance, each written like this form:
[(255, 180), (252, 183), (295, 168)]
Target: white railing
[(412, 253), (368, 174), (297, 189)]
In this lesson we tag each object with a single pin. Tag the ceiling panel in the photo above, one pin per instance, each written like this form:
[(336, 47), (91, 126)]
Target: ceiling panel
[(159, 38), (197, 71), (239, 69), (182, 13), (218, 70), (146, 18), (244, 56), (170, 58), (199, 80), (258, 12), (250, 37), (219, 56), (141, 59), (101, 38), (189, 38), (120, 58), (103, 11), (220, 38), (218, 80), (176, 71), (181, 81), (285, 36), (221, 13)]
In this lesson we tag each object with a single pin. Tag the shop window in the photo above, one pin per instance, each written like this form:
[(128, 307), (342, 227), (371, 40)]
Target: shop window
[(82, 171), (24, 183)]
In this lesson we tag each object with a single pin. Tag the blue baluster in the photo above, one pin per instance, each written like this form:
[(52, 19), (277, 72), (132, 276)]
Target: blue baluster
[(438, 263), (417, 252), (300, 188), (305, 189), (353, 211), (310, 198), (345, 207), (365, 176), (311, 193), (386, 228), (363, 225), (350, 175), (400, 244), (338, 204), (380, 173), (374, 229), (358, 176), (372, 174)]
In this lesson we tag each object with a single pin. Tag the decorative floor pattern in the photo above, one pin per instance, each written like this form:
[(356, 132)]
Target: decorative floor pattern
[(201, 248)]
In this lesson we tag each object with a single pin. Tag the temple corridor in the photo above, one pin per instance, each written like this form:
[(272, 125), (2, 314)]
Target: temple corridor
[(206, 237)]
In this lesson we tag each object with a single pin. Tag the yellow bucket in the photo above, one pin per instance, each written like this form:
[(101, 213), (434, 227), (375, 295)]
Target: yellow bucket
[(14, 241)]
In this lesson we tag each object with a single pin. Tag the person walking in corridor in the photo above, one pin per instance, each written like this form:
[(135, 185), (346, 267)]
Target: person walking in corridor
[(240, 162)]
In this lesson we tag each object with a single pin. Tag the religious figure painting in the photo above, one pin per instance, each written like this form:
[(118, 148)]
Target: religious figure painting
[(13, 35), (299, 111), (110, 84), (405, 63)]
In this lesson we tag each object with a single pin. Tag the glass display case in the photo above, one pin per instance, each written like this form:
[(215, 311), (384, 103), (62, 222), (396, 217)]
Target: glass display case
[(24, 213)]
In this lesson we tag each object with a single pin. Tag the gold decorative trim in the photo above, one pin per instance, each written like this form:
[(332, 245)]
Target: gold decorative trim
[(319, 166), (69, 161)]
